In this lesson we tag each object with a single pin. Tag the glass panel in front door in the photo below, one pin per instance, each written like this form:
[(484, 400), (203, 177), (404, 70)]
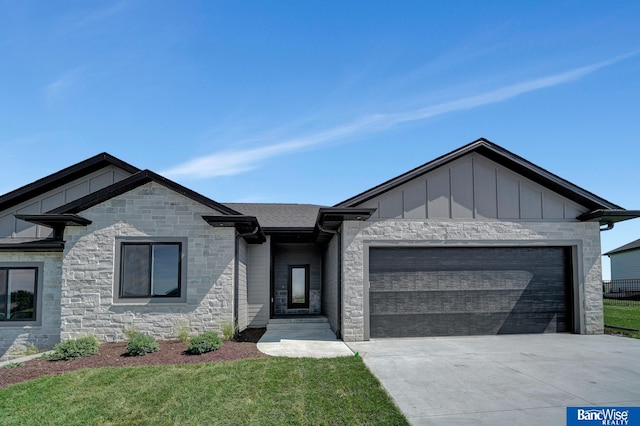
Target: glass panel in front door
[(298, 285)]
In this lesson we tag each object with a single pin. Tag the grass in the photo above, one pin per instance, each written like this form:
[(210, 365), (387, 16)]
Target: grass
[(263, 391), (622, 316)]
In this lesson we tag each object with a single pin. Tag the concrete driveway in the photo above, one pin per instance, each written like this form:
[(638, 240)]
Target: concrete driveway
[(504, 380)]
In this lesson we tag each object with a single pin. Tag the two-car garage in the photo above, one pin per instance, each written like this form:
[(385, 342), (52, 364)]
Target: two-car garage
[(449, 291)]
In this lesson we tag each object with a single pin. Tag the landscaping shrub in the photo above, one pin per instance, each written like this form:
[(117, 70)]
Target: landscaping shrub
[(75, 348), (205, 342), (141, 344), (182, 330), (228, 330)]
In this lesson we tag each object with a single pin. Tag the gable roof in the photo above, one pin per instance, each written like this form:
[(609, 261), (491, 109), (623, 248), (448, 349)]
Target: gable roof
[(501, 156), (280, 215), (62, 177), (132, 182), (634, 245)]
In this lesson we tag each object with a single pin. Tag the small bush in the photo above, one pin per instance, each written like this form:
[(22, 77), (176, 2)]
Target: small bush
[(31, 349), (130, 332), (141, 344), (182, 331), (228, 330), (75, 348), (205, 342), (12, 365)]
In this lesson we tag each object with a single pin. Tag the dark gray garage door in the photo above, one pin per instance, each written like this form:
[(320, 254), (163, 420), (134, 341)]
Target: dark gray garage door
[(468, 291)]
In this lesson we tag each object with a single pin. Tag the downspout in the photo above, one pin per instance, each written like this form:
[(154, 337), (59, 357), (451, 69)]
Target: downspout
[(609, 227), (339, 307), (236, 275)]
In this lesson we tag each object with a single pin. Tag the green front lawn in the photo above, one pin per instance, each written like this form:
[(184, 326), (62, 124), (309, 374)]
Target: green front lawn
[(622, 316), (257, 391)]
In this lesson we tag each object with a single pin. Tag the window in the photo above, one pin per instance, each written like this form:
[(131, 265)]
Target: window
[(298, 291), (150, 270), (18, 293)]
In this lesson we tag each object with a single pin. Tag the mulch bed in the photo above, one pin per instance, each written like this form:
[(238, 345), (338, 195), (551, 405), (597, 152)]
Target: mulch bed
[(113, 355)]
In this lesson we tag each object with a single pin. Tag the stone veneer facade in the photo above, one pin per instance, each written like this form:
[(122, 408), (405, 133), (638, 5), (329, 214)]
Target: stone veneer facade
[(88, 267), (358, 236), (17, 337)]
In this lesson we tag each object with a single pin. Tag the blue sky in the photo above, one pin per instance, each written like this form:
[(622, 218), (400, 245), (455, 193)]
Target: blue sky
[(316, 101)]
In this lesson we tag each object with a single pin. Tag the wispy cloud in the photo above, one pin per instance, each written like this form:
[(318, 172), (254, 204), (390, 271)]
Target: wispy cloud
[(233, 162), (100, 14), (57, 89)]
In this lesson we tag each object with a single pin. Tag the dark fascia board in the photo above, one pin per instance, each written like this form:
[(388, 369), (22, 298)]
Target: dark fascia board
[(45, 245), (632, 246), (501, 156), (605, 216), (247, 226), (344, 213), (132, 182), (57, 222), (292, 234), (62, 177), (53, 220), (273, 230)]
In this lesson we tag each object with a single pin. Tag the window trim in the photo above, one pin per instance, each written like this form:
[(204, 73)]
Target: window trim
[(118, 298), (37, 306)]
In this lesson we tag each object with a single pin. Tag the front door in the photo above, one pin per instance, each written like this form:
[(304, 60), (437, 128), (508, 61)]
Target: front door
[(298, 289)]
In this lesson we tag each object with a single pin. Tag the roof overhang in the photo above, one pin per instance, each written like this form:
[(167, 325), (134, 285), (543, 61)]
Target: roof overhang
[(37, 245), (500, 156), (330, 218), (247, 226), (292, 234), (55, 221), (608, 217)]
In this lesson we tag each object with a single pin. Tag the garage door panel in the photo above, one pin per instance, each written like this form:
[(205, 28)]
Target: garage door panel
[(418, 325), (468, 291), (396, 281), (459, 301)]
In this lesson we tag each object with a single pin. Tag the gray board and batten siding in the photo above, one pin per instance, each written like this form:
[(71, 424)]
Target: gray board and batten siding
[(447, 291), (258, 288), (10, 226), (472, 187)]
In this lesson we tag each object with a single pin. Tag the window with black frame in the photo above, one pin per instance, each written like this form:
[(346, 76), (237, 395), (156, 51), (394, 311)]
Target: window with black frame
[(150, 270), (18, 293)]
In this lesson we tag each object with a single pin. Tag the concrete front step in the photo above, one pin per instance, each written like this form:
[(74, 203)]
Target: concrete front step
[(297, 324)]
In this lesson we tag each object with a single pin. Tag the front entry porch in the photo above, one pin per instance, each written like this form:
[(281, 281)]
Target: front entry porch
[(296, 279), (298, 336)]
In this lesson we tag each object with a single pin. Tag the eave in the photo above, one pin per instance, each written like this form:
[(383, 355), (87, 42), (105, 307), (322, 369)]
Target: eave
[(66, 175), (55, 221), (246, 226), (606, 217), (135, 181), (500, 156), (43, 245)]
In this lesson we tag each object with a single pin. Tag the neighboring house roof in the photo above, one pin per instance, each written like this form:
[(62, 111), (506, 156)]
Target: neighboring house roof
[(132, 182), (62, 177), (503, 157), (280, 215), (634, 245)]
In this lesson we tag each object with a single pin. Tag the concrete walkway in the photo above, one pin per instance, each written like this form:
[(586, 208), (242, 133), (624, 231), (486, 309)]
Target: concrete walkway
[(303, 344), (302, 338), (508, 379)]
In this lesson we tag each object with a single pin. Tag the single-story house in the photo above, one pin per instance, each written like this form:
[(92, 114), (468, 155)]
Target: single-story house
[(477, 241), (625, 268)]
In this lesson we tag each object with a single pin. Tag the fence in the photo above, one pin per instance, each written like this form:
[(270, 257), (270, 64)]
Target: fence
[(621, 292)]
